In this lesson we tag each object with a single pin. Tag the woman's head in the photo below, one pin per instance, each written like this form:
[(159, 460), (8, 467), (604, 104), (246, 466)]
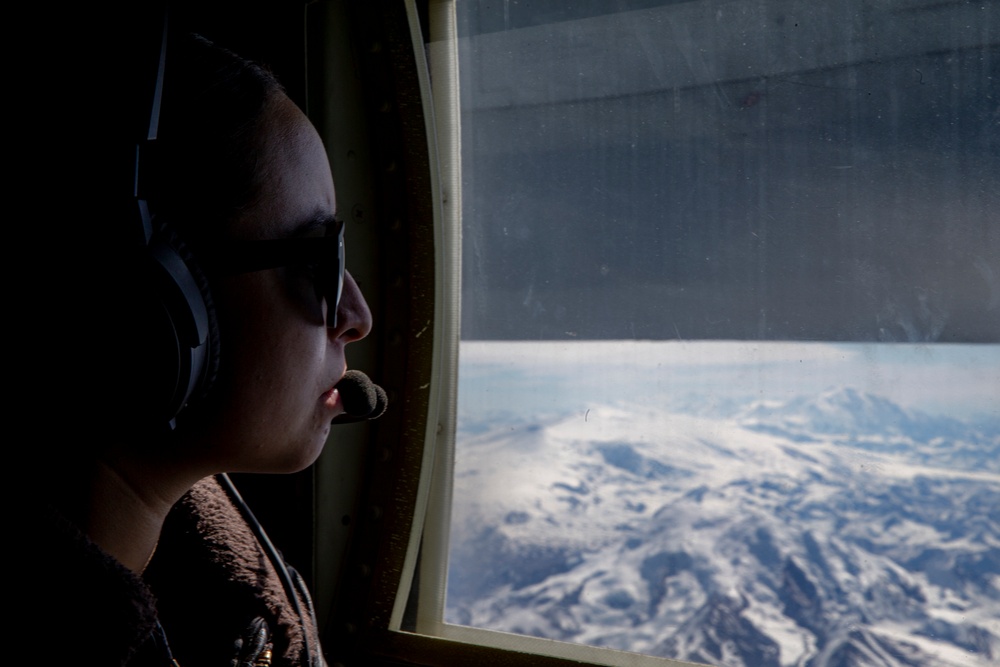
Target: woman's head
[(272, 404), (237, 163)]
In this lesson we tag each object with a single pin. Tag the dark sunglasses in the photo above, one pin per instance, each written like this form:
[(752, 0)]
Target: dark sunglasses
[(322, 256)]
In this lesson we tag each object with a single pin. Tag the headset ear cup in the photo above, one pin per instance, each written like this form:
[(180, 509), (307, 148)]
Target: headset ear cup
[(210, 367), (184, 332)]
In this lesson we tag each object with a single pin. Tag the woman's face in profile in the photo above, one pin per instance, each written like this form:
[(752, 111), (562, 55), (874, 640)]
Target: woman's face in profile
[(274, 398)]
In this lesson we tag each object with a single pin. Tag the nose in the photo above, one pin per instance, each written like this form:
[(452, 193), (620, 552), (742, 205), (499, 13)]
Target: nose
[(354, 318)]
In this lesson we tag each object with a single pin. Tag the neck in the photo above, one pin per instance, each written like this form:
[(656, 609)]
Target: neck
[(124, 504)]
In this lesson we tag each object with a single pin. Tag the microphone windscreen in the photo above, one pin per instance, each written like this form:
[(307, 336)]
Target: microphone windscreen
[(381, 402), (358, 394)]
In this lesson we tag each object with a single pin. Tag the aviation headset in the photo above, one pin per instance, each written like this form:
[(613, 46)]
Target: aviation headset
[(182, 332)]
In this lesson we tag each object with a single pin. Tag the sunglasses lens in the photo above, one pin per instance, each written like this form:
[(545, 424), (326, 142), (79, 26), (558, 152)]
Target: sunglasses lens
[(333, 282)]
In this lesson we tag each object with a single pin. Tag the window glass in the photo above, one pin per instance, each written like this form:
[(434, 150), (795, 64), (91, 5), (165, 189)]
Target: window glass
[(730, 358)]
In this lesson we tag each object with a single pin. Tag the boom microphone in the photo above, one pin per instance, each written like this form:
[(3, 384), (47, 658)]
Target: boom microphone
[(362, 398)]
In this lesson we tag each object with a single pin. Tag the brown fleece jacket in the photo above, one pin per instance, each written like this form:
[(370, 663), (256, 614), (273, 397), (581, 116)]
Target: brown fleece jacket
[(206, 583)]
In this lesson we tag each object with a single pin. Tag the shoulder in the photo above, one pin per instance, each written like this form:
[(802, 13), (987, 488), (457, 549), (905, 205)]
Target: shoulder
[(213, 579)]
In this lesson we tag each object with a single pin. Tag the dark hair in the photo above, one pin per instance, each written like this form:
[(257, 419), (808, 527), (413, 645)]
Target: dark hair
[(207, 162)]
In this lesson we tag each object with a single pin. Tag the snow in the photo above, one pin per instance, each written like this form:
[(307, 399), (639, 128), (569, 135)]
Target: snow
[(798, 530)]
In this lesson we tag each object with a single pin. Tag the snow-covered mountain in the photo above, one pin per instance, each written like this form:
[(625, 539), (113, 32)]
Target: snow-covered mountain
[(833, 530), (848, 417)]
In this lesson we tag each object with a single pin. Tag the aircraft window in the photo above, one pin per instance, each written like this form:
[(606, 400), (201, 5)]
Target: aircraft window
[(730, 332)]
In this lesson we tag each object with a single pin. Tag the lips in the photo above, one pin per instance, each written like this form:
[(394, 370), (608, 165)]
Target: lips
[(331, 399)]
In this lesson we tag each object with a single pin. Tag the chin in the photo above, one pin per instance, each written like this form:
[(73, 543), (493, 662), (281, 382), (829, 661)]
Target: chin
[(301, 464), (301, 456), (289, 457), (281, 449), (292, 462)]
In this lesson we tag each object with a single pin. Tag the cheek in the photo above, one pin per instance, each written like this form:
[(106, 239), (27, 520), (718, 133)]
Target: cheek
[(268, 341), (265, 413)]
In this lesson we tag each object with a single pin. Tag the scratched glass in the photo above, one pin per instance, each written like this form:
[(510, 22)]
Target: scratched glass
[(730, 360)]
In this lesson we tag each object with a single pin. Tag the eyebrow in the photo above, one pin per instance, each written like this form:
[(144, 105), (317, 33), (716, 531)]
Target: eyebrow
[(320, 219)]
